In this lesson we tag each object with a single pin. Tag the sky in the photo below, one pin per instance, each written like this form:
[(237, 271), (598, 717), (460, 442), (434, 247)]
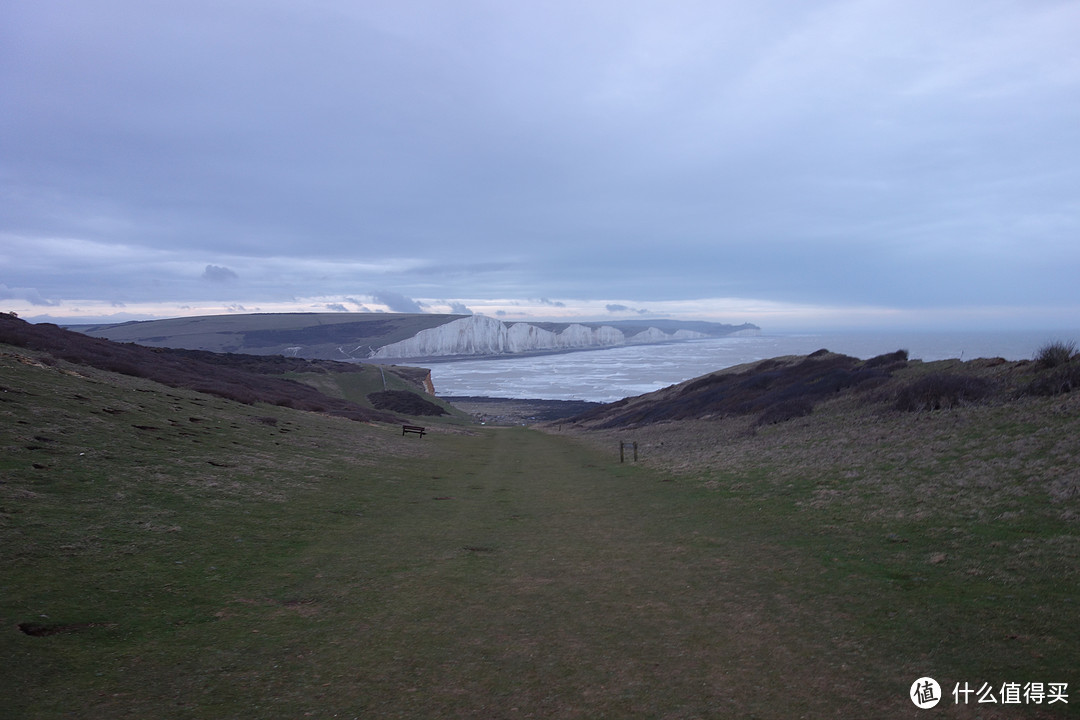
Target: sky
[(796, 164)]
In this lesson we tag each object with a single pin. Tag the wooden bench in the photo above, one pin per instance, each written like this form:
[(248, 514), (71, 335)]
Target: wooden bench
[(412, 429)]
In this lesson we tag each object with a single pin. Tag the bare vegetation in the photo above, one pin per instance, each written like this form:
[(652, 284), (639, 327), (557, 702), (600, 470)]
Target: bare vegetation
[(942, 390)]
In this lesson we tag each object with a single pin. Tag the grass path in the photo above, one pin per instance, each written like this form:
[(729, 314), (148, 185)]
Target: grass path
[(525, 576)]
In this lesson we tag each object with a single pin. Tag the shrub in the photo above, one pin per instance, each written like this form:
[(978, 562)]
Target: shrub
[(1055, 354), (942, 390), (897, 359), (1056, 382), (786, 410)]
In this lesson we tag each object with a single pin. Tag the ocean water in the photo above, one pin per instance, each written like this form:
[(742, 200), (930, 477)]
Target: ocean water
[(614, 373)]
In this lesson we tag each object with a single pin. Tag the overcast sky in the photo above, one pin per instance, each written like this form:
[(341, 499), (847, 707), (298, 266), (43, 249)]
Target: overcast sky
[(790, 163)]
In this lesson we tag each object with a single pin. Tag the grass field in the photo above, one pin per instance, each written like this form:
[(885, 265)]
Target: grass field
[(170, 554)]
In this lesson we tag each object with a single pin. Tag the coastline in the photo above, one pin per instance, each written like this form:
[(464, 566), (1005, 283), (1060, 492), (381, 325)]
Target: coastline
[(424, 361)]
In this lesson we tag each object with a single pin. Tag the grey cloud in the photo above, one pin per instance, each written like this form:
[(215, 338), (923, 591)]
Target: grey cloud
[(771, 150), (552, 303), (30, 295), (458, 308), (336, 307), (396, 301), (618, 308), (218, 274), (360, 306)]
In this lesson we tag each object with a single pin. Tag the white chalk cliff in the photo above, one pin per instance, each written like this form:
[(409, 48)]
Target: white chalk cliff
[(480, 335)]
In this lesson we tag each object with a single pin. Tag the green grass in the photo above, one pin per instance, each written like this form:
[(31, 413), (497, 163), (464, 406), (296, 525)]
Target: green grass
[(224, 565)]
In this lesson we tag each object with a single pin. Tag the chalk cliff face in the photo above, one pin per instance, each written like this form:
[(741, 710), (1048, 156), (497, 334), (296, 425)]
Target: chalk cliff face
[(480, 335)]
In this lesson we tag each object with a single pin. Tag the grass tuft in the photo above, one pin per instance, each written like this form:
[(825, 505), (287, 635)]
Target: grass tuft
[(1055, 353)]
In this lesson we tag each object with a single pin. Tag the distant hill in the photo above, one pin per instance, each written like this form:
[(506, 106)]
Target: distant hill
[(321, 336), (391, 336), (334, 388)]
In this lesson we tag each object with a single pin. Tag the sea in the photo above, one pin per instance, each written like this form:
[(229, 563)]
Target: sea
[(610, 374)]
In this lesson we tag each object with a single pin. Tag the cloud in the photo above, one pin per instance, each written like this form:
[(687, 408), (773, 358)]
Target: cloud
[(619, 308), (458, 308), (30, 295), (839, 153), (218, 274), (396, 301), (336, 307), (361, 306)]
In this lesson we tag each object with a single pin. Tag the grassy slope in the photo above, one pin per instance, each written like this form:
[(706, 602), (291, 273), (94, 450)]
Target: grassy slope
[(948, 539), (198, 559)]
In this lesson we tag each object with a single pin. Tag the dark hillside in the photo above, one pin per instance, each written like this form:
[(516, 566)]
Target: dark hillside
[(243, 378), (773, 390), (780, 389)]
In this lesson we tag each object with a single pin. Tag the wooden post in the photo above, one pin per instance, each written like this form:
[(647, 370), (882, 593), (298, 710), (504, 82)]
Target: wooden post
[(622, 447)]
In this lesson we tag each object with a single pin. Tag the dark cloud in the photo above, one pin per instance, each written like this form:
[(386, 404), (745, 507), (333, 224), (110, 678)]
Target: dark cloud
[(552, 303), (396, 301), (218, 274), (336, 307)]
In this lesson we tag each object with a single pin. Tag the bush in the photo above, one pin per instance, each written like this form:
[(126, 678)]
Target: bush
[(893, 360), (786, 410), (1055, 354), (1057, 382), (942, 391)]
